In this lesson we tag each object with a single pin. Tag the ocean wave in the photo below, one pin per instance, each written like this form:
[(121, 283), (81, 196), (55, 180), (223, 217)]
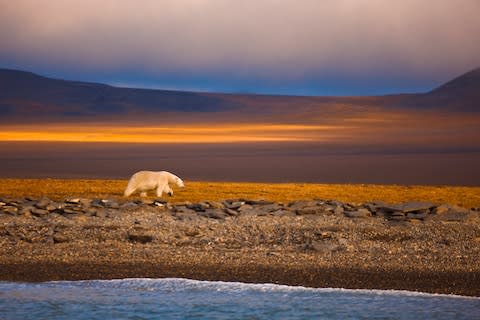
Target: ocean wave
[(182, 284)]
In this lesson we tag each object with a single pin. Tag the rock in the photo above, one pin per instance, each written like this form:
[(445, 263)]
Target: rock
[(406, 207), (329, 208), (269, 207), (259, 202), (2, 203), (360, 213), (339, 210), (192, 232), (198, 207), (249, 210), (446, 208), (26, 211), (97, 203), (129, 205), (112, 204), (139, 237), (417, 215), (300, 204), (148, 202), (308, 210), (52, 207), (234, 205), (159, 204), (72, 200), (215, 205), (60, 238), (396, 216), (394, 212), (449, 212), (91, 211), (334, 203), (283, 213), (417, 206), (10, 210), (350, 207), (188, 216), (231, 212), (85, 202), (375, 206), (71, 211), (244, 208), (101, 213), (39, 212), (322, 247), (43, 203), (390, 208), (183, 209), (213, 214)]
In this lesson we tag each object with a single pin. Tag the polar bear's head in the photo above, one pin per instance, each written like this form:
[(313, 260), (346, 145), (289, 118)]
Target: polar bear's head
[(173, 179), (179, 182)]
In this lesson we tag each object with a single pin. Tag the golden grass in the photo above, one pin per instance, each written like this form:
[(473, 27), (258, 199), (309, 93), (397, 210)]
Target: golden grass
[(283, 192)]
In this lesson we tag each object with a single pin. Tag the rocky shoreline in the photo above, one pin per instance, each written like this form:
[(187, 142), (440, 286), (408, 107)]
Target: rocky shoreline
[(413, 245)]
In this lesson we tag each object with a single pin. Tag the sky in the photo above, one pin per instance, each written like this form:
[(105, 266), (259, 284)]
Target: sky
[(297, 47)]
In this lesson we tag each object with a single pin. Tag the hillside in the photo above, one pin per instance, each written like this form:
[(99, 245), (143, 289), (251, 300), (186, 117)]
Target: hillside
[(461, 93), (26, 94), (27, 97)]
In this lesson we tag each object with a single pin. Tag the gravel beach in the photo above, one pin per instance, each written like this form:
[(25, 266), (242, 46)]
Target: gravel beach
[(415, 246)]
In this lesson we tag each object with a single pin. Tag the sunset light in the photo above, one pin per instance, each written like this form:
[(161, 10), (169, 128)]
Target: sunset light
[(168, 134)]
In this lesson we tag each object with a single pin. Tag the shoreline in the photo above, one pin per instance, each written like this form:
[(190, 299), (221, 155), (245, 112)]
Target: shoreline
[(414, 246), (451, 283)]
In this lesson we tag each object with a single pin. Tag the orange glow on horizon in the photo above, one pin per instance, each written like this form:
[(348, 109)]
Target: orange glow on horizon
[(168, 134)]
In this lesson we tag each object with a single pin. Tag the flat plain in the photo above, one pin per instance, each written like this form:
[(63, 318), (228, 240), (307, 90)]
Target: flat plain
[(195, 191)]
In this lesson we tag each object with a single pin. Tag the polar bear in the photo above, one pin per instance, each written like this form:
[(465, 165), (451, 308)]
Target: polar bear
[(144, 181)]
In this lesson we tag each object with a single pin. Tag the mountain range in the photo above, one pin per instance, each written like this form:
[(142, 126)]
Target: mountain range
[(28, 97)]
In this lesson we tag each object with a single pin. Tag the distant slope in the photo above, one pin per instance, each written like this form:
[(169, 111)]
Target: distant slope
[(461, 94), (27, 97), (24, 92)]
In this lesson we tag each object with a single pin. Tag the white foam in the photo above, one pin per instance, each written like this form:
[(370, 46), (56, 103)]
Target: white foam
[(151, 284)]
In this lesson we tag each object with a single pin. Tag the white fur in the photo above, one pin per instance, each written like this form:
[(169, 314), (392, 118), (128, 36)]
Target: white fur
[(144, 181)]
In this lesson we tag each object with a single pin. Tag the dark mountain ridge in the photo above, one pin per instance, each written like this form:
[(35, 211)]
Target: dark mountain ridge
[(20, 87), (26, 95)]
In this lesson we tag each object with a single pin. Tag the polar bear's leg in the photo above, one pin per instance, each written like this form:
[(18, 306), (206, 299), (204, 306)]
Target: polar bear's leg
[(160, 189), (168, 190)]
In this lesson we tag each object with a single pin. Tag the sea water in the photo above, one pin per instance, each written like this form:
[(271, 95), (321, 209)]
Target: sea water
[(190, 299)]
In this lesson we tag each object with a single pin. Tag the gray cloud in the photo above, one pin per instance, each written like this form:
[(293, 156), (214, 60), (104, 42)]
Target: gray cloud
[(265, 39)]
